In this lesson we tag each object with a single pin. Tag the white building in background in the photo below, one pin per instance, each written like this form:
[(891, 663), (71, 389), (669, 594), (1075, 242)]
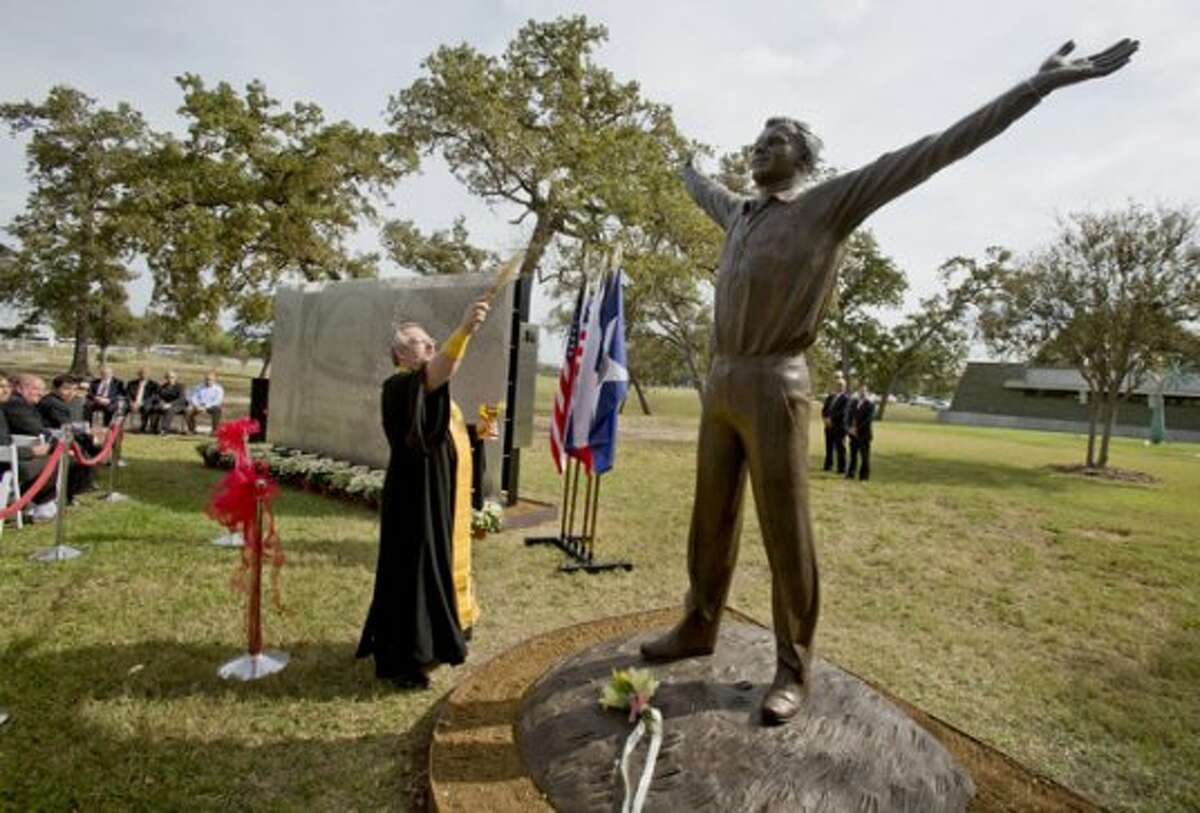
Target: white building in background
[(10, 320)]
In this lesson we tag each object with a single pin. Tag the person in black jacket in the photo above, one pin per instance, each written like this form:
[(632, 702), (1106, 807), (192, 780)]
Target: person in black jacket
[(861, 416), (55, 407), (24, 419), (141, 392), (58, 411), (31, 460), (833, 414), (164, 404), (106, 395)]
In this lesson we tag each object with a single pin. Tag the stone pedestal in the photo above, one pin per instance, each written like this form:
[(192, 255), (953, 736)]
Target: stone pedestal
[(849, 749), (524, 732)]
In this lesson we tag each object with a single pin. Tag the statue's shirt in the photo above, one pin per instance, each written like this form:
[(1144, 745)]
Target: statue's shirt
[(782, 251)]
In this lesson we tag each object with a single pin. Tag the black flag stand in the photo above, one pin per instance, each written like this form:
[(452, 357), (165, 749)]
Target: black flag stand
[(580, 547)]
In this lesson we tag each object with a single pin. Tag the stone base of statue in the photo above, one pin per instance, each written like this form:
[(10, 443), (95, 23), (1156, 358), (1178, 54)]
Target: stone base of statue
[(526, 732)]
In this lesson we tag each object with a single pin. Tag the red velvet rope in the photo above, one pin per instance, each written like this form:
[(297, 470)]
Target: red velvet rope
[(38, 484), (83, 460)]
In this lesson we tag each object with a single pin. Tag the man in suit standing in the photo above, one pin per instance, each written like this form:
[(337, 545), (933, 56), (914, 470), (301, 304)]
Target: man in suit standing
[(140, 392), (833, 413), (105, 395), (861, 417)]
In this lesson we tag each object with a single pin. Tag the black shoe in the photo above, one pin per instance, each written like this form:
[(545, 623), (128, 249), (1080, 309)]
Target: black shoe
[(411, 680)]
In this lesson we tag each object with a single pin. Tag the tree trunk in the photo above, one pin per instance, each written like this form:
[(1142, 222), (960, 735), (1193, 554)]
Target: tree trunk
[(266, 365), (637, 387), (1110, 420), (697, 381), (887, 394), (79, 358), (883, 402), (1093, 415)]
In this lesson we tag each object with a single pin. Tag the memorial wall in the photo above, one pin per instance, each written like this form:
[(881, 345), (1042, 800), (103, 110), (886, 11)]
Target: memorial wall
[(330, 355)]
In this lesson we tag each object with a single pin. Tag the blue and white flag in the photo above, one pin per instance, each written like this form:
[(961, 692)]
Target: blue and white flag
[(611, 375)]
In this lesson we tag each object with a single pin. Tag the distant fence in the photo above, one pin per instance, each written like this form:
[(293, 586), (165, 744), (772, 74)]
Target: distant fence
[(192, 353)]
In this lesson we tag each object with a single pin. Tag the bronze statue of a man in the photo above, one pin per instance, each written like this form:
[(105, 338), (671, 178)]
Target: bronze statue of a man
[(782, 249)]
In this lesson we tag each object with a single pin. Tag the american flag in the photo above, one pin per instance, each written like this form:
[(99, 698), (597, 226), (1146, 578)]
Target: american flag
[(567, 376)]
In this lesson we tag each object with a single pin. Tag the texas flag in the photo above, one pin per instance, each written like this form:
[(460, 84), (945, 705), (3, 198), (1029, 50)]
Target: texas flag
[(603, 380)]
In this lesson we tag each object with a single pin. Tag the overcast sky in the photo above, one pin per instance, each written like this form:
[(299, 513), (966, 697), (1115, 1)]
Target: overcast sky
[(868, 75)]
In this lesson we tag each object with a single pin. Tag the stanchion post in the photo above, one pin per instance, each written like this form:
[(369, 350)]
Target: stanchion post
[(61, 549), (60, 497), (114, 458), (257, 662), (255, 549)]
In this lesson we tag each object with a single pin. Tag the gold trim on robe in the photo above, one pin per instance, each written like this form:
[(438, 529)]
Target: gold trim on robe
[(464, 585)]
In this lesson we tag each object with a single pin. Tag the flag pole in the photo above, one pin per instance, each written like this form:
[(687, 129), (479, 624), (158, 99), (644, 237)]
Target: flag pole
[(562, 524), (595, 361), (574, 498), (591, 551), (581, 547)]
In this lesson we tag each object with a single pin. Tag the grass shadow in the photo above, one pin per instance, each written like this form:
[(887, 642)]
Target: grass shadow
[(162, 670), (99, 765), (913, 469)]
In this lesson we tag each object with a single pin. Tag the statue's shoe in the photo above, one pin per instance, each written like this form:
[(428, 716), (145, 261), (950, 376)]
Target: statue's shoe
[(784, 699), (687, 640)]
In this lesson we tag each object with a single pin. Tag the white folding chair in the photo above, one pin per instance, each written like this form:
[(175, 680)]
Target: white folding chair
[(10, 483), (20, 440)]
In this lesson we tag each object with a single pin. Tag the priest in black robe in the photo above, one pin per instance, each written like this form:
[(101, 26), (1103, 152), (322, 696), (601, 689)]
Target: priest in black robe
[(413, 625)]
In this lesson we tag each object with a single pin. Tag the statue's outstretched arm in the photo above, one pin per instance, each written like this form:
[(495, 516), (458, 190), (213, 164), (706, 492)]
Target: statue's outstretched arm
[(1058, 71), (718, 202), (855, 195)]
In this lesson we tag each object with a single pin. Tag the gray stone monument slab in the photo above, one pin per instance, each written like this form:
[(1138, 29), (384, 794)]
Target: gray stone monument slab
[(330, 356)]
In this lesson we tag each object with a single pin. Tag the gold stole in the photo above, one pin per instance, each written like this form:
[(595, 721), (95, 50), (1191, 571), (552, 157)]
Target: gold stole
[(464, 586)]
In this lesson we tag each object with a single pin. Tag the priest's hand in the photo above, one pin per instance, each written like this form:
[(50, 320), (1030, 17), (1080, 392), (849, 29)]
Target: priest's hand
[(1059, 71), (474, 317)]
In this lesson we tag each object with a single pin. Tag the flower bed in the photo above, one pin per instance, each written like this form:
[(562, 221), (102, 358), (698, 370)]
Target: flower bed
[(308, 470)]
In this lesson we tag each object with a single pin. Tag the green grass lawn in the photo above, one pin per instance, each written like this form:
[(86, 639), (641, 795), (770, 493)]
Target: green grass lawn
[(1054, 617)]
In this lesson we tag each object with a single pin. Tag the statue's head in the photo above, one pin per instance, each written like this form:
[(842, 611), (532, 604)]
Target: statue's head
[(785, 150)]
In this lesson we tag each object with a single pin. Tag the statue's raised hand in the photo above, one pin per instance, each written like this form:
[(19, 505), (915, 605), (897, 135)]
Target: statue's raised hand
[(1060, 70)]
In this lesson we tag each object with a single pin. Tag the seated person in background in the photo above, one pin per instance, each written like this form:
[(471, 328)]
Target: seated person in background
[(208, 397), (55, 406), (23, 418), (140, 391), (105, 396), (58, 411), (31, 460), (161, 408), (165, 404)]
